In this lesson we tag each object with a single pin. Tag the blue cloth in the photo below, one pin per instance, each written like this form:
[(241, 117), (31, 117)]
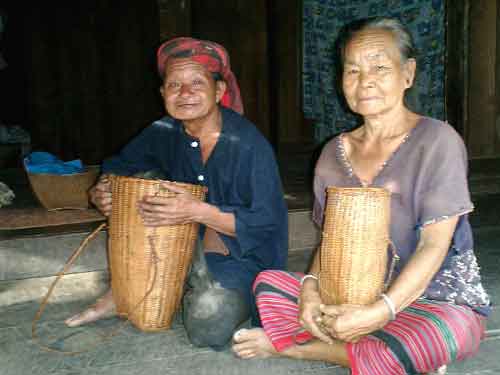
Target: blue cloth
[(241, 175), (44, 162)]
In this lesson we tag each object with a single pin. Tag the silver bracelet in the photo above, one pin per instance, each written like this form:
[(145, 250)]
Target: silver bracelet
[(307, 277), (390, 305)]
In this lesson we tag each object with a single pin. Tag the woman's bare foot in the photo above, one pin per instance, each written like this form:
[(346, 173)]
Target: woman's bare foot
[(103, 308), (440, 371), (253, 343)]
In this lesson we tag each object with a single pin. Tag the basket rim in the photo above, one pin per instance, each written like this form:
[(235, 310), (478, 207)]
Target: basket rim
[(359, 189), (87, 168), (154, 182)]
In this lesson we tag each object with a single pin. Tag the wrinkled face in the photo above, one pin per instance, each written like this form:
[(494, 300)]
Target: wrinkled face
[(189, 91), (374, 79)]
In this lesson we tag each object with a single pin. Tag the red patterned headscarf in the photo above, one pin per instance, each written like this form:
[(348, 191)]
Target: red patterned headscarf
[(210, 54)]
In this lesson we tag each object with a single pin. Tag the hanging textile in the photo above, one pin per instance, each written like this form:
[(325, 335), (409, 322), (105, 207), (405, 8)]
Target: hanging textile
[(322, 20)]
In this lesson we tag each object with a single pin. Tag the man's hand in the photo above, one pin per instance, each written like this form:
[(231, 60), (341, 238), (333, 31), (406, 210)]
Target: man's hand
[(349, 323), (181, 209), (100, 195), (309, 311)]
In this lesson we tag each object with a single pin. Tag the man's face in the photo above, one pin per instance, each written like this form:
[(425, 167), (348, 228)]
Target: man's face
[(189, 90)]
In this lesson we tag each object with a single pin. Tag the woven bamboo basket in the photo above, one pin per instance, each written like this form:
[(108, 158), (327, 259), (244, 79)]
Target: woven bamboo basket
[(354, 245), (148, 265), (64, 191)]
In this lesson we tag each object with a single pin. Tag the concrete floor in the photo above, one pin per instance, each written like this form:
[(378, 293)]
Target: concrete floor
[(130, 351)]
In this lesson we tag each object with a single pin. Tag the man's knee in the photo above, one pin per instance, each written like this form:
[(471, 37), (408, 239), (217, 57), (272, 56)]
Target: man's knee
[(211, 316)]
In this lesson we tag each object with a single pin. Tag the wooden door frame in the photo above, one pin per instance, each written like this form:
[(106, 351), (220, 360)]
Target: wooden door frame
[(461, 74), (457, 64)]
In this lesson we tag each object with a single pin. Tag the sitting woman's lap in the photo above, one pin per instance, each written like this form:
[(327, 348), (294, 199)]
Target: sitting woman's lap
[(424, 336)]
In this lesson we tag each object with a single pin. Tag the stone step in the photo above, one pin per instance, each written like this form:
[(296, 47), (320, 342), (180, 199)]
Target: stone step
[(88, 285), (72, 287), (43, 252), (30, 263), (29, 259), (27, 254)]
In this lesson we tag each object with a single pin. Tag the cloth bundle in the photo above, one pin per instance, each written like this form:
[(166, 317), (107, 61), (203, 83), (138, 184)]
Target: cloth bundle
[(6, 195), (44, 162)]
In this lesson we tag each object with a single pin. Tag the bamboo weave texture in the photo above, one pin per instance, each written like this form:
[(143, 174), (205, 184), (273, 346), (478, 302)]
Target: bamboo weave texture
[(148, 265), (354, 244)]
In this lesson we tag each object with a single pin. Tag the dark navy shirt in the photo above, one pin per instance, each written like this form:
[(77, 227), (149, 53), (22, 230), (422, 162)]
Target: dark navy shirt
[(241, 175)]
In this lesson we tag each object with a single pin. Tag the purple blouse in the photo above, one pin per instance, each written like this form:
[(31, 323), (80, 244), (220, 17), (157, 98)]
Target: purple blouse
[(427, 176)]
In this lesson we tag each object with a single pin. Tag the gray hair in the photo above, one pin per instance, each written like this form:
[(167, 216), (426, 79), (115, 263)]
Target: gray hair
[(403, 38)]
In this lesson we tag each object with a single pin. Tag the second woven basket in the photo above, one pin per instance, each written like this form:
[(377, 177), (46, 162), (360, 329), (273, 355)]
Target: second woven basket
[(354, 245), (148, 265)]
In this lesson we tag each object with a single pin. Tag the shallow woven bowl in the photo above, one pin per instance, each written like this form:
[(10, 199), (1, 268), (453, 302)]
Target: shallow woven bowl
[(354, 245), (148, 265), (64, 191)]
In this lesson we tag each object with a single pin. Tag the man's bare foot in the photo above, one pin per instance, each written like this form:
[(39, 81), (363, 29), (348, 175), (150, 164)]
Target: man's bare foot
[(103, 308), (253, 343)]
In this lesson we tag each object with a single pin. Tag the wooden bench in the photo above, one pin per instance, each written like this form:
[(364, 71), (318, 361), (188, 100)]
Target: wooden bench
[(23, 218)]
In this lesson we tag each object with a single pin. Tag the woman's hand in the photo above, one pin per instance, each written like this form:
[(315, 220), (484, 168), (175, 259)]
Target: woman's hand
[(309, 311), (100, 195), (349, 323), (158, 211)]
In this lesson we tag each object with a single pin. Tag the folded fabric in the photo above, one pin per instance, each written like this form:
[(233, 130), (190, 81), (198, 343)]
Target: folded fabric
[(44, 162), (13, 134), (6, 195)]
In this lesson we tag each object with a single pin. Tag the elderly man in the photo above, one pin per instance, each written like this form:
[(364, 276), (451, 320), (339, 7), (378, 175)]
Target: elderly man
[(206, 140)]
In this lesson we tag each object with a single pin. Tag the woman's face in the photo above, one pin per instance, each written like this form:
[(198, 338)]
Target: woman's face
[(189, 91), (374, 78)]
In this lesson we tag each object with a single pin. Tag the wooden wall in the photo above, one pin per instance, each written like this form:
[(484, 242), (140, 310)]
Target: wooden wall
[(473, 74), (263, 38), (175, 18), (90, 78), (285, 29), (88, 67), (483, 139), (12, 77), (456, 72), (241, 27)]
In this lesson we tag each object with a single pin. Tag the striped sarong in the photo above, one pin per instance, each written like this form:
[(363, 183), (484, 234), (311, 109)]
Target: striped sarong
[(424, 336)]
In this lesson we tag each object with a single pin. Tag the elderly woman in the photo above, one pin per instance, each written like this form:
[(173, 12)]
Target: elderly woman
[(206, 141), (435, 309)]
